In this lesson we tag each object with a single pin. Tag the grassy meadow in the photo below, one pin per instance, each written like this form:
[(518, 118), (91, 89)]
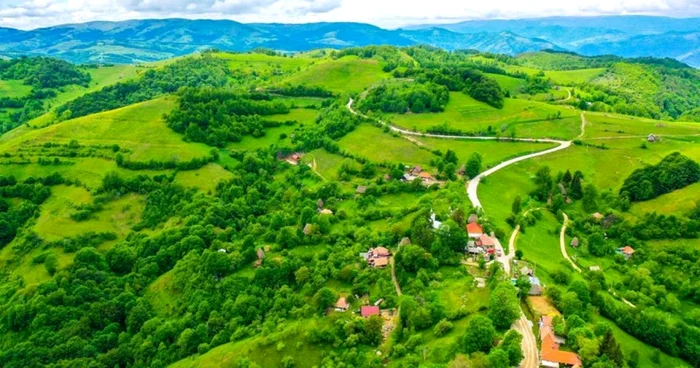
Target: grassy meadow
[(14, 88), (345, 75), (520, 117), (376, 145)]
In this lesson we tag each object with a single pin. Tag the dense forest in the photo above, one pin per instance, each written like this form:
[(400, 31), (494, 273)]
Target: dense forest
[(216, 117), (675, 171), (403, 98)]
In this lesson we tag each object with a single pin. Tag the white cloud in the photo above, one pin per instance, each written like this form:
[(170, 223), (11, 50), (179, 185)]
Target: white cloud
[(388, 13)]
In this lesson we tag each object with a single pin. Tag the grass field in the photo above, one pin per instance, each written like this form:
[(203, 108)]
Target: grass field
[(268, 351), (14, 88), (613, 125), (492, 152), (255, 62), (508, 83), (139, 128), (205, 178), (572, 77), (525, 118), (678, 202), (327, 164), (346, 75), (55, 223), (372, 143)]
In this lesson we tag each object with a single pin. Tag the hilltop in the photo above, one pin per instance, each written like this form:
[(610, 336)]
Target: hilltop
[(369, 206)]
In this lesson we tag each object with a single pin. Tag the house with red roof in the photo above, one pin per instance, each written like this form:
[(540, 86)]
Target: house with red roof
[(550, 355), (342, 305), (626, 251), (369, 311), (474, 230)]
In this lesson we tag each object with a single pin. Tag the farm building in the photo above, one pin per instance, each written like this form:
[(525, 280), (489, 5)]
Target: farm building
[(574, 242), (369, 310), (626, 251), (474, 230), (377, 257), (361, 189), (341, 305)]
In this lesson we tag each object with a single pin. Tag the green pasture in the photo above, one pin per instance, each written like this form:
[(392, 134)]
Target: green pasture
[(605, 125), (287, 340), (327, 164), (573, 77), (508, 83), (678, 202), (139, 128), (205, 178), (14, 88), (524, 118), (117, 216), (345, 75), (372, 143), (255, 62)]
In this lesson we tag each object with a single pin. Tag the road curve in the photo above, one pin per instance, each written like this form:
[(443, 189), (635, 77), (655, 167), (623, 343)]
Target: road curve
[(562, 243), (474, 183)]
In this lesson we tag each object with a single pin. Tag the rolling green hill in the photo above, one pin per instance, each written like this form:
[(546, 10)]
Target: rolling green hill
[(210, 210)]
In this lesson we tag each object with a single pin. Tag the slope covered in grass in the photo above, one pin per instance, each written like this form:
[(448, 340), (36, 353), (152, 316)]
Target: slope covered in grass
[(345, 75), (139, 128)]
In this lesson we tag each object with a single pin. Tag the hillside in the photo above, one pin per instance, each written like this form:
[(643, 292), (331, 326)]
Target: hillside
[(349, 208)]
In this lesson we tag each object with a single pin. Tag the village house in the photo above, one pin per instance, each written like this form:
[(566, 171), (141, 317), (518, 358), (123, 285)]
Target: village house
[(473, 218), (341, 305), (574, 242), (416, 170), (326, 211), (369, 310), (626, 251), (535, 286), (652, 138), (361, 189), (598, 216), (474, 230), (377, 257), (550, 354)]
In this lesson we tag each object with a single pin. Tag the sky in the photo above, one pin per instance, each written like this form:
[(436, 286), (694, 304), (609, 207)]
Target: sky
[(30, 14)]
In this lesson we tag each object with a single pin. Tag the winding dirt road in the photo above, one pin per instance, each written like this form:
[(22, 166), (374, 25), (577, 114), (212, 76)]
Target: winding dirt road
[(562, 243)]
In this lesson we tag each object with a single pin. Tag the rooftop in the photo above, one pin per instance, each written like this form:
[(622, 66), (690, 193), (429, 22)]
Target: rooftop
[(369, 310)]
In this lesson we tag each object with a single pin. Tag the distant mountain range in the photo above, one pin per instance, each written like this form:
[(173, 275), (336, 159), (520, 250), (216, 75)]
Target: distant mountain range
[(150, 40)]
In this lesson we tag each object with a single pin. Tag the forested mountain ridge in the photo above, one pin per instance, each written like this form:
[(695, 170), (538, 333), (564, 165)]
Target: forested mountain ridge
[(258, 210), (149, 40)]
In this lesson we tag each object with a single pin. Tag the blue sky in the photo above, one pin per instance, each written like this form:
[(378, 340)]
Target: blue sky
[(28, 14)]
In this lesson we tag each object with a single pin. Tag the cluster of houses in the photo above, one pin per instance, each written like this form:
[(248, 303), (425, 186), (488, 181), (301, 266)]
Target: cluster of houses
[(377, 257), (416, 172), (550, 355), (479, 243), (366, 311)]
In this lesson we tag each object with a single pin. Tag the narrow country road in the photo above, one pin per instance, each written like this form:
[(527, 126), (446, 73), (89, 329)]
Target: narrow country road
[(562, 243), (528, 344)]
